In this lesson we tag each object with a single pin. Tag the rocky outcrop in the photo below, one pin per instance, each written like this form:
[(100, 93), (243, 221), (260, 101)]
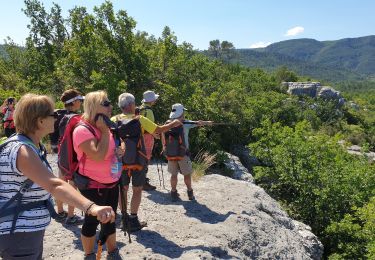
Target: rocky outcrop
[(357, 150), (239, 171), (244, 155), (231, 219), (314, 90)]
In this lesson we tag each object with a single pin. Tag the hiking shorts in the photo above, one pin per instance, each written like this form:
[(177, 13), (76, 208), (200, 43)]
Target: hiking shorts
[(101, 197), (138, 178), (184, 166), (22, 245)]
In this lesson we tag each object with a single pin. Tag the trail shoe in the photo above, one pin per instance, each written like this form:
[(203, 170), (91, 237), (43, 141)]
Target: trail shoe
[(61, 216), (191, 195), (74, 220), (114, 255), (135, 225), (175, 196), (147, 186)]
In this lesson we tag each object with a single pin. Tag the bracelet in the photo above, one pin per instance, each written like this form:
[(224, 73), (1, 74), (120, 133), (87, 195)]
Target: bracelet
[(89, 207)]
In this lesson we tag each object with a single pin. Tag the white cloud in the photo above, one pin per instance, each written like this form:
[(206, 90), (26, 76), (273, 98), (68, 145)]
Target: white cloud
[(259, 45), (295, 31)]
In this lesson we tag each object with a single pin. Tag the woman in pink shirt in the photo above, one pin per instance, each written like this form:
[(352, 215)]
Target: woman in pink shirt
[(96, 151)]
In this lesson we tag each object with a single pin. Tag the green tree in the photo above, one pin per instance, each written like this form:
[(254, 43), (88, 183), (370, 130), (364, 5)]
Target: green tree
[(312, 175)]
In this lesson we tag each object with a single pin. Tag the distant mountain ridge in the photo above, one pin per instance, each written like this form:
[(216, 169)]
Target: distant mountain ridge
[(345, 59)]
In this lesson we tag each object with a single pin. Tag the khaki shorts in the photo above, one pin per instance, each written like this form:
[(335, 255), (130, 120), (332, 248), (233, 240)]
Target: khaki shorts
[(184, 166)]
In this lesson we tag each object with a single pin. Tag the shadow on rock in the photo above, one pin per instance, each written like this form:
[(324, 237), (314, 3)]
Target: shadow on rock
[(201, 212), (193, 208), (160, 245)]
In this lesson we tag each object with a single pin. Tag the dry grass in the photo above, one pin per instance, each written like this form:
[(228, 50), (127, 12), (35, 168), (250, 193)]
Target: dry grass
[(202, 161)]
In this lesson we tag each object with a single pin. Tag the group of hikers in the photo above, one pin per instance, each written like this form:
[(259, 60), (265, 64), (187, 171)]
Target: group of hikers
[(98, 156)]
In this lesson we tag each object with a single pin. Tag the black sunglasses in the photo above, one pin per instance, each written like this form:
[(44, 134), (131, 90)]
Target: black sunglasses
[(54, 115), (106, 103)]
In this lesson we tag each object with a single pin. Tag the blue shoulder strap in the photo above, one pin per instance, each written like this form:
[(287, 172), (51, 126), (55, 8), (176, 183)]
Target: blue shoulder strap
[(6, 209)]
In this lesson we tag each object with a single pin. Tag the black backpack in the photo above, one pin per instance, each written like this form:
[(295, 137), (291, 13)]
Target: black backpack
[(130, 132), (175, 144), (55, 136)]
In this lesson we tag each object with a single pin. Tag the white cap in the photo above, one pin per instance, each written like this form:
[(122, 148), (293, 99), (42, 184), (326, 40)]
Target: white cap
[(149, 96), (177, 111), (74, 99)]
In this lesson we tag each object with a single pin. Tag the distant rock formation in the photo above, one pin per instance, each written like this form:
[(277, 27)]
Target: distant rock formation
[(357, 150), (314, 90)]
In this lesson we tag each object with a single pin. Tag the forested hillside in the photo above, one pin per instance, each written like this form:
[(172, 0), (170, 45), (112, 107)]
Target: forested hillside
[(295, 138), (356, 54), (331, 61), (270, 61)]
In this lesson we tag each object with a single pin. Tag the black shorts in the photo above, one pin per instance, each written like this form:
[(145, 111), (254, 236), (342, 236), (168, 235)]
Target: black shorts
[(101, 197), (138, 178)]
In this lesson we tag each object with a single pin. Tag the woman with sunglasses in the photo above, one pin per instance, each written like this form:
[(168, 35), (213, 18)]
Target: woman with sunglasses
[(27, 178), (94, 142)]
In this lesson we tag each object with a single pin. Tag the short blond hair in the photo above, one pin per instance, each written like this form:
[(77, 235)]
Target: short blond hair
[(29, 109), (92, 103)]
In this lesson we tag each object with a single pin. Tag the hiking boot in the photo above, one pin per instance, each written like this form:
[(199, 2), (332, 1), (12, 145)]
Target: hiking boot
[(147, 186), (190, 194), (61, 216), (135, 225), (114, 255), (74, 220), (175, 196)]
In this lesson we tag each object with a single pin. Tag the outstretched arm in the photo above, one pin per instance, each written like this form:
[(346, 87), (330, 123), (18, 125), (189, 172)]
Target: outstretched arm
[(166, 127), (204, 123), (32, 167)]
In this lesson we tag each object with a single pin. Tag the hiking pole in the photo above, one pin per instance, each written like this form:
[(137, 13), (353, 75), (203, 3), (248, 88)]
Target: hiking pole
[(125, 219), (213, 124), (101, 241), (157, 167), (162, 173)]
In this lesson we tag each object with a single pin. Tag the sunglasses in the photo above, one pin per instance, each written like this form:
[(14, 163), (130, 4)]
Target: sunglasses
[(54, 115), (106, 103)]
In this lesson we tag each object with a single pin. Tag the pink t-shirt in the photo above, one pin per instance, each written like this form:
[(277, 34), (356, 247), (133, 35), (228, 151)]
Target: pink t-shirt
[(99, 171)]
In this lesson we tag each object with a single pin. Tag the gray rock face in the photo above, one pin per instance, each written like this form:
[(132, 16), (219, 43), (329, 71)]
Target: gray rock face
[(239, 171), (329, 93), (303, 88), (231, 219), (314, 89)]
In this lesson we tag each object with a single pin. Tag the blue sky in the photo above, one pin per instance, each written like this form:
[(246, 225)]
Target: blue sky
[(245, 23)]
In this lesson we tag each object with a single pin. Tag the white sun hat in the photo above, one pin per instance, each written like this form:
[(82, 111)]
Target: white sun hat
[(177, 111), (79, 97), (149, 96)]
